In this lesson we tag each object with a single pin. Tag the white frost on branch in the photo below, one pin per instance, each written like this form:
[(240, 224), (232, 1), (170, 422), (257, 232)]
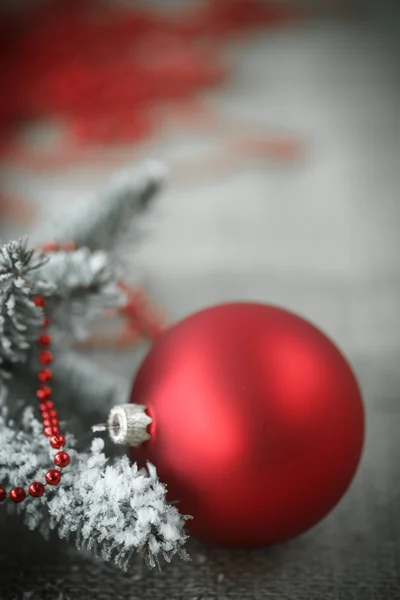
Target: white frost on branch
[(101, 219), (116, 509), (105, 505), (77, 285), (20, 319), (84, 285), (109, 507)]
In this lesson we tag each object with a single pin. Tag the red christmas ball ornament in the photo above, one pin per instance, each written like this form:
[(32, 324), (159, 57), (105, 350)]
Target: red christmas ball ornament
[(257, 422)]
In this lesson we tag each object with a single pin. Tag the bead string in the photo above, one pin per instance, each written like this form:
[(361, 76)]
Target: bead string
[(51, 427)]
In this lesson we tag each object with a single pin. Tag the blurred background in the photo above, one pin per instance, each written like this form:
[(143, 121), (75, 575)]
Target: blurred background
[(279, 122)]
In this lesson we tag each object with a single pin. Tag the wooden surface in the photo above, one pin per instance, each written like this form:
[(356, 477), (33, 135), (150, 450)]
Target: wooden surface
[(319, 236)]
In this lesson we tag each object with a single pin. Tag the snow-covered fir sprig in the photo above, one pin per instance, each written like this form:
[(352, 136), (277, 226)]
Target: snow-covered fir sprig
[(20, 319), (114, 509), (106, 506), (17, 261), (84, 284), (104, 216), (23, 449), (77, 284)]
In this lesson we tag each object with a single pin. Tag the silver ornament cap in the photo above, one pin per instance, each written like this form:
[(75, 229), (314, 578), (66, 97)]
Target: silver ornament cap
[(127, 424)]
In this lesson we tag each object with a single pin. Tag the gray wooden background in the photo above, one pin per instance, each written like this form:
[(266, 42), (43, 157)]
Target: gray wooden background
[(319, 236)]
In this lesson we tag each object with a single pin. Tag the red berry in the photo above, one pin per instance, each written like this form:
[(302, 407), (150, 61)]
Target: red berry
[(36, 489), (46, 423), (54, 422), (57, 442), (48, 431), (45, 415), (61, 459), (44, 339), (3, 494), (53, 477), (45, 357), (49, 404), (45, 375), (53, 414), (17, 494)]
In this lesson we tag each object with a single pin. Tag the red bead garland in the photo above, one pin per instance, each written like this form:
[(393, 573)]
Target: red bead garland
[(17, 494), (39, 301), (43, 392), (45, 375), (61, 459), (44, 339), (57, 441), (45, 357), (36, 489), (49, 419), (53, 477)]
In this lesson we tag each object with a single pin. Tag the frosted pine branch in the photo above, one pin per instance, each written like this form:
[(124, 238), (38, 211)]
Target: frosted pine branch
[(115, 510), (17, 261), (106, 505), (78, 286), (20, 319), (110, 508), (84, 284), (23, 449), (108, 213)]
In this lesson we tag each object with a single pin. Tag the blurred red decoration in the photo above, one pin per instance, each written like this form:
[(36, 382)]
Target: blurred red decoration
[(14, 208), (141, 318), (101, 71)]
